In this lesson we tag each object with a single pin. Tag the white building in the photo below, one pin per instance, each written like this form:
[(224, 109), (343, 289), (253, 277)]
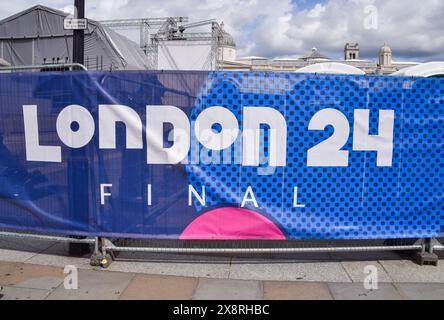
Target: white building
[(317, 62)]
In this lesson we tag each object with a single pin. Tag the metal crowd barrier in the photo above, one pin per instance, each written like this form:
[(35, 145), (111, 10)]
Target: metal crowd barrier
[(105, 249), (422, 249)]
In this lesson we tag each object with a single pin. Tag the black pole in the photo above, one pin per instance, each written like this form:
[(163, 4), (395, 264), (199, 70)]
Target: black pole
[(79, 35), (77, 163)]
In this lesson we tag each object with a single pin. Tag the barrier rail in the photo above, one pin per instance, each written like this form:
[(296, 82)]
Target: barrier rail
[(34, 236), (263, 250), (69, 66)]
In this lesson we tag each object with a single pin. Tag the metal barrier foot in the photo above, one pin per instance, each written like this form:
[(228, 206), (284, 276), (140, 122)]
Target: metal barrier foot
[(426, 259), (426, 256), (101, 260), (100, 257)]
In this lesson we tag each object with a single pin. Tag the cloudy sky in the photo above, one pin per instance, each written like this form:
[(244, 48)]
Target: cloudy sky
[(290, 28)]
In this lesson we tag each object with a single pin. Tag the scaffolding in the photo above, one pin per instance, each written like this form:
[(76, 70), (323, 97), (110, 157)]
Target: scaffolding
[(156, 33), (146, 27)]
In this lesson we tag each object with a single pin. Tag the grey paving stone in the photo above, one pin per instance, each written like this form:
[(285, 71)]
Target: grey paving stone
[(356, 291), (306, 272), (59, 261), (405, 271), (30, 276), (15, 256), (212, 289), (148, 287), (42, 283), (421, 291), (14, 293), (22, 244), (296, 291), (356, 271), (203, 270), (100, 285)]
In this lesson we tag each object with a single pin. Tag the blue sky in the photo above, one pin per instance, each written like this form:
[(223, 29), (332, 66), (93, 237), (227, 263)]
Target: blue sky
[(290, 28)]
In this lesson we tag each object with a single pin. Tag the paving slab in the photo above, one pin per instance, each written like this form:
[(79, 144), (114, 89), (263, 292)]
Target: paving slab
[(23, 244), (101, 285), (196, 270), (31, 276), (305, 272), (356, 291), (404, 271), (14, 293), (6, 270), (59, 261), (357, 271), (212, 289), (59, 249), (15, 256), (296, 291), (421, 291), (144, 287)]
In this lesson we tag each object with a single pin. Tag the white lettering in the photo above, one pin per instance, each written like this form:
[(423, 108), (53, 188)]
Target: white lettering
[(192, 191), (211, 139), (249, 197), (104, 194), (157, 116), (35, 151), (109, 115), (254, 117), (81, 135)]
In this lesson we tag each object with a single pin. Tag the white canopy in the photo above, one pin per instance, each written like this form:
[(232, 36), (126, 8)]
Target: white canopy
[(429, 69), (331, 68), (36, 36)]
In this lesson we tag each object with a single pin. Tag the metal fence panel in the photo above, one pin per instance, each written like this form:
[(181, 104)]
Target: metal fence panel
[(77, 172)]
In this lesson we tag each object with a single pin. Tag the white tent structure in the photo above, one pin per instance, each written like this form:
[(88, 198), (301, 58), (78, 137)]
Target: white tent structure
[(4, 63), (331, 68), (429, 69), (36, 36)]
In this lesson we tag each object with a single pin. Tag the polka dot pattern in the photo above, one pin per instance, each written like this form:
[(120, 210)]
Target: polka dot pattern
[(361, 201)]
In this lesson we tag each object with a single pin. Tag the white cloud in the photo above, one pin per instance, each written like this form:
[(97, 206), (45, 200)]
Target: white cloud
[(317, 11), (412, 28), (283, 28)]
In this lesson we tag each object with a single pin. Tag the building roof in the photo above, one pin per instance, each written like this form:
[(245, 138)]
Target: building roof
[(351, 45), (429, 69), (315, 54), (253, 58), (287, 59), (385, 48), (331, 68)]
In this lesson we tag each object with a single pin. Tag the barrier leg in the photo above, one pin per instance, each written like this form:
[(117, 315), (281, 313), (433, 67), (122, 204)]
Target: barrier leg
[(426, 256), (100, 257)]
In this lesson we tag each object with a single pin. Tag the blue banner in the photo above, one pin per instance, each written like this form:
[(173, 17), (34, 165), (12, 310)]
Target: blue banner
[(222, 155)]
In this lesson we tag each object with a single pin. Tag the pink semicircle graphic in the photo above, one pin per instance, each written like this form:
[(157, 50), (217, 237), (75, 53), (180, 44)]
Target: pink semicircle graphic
[(232, 224)]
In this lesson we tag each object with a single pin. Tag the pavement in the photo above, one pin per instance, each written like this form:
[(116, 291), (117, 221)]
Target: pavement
[(35, 270)]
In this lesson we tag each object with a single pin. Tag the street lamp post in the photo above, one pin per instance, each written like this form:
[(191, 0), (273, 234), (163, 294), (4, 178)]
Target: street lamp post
[(79, 35), (78, 164)]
